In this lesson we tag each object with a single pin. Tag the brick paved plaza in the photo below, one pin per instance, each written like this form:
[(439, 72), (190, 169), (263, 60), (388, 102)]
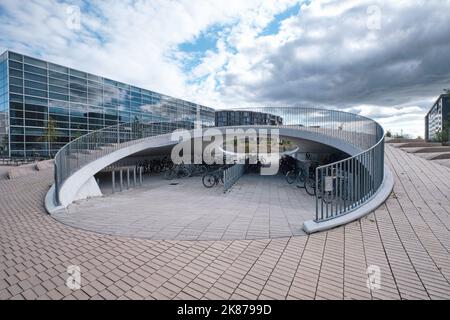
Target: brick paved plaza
[(258, 207), (408, 238)]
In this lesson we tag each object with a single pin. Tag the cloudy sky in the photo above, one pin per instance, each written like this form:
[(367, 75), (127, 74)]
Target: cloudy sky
[(385, 59)]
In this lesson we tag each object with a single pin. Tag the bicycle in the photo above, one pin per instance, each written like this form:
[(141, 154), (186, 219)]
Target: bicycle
[(310, 181), (286, 164), (298, 175), (211, 179), (329, 196), (177, 171)]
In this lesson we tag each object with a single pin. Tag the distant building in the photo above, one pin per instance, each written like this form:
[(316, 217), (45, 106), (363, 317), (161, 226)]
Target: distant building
[(438, 115), (241, 118)]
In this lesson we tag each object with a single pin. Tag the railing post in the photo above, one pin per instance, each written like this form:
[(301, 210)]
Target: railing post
[(128, 178), (113, 176), (121, 179)]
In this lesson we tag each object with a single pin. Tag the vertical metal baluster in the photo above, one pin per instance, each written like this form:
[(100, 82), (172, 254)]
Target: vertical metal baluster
[(113, 181), (121, 180), (128, 178)]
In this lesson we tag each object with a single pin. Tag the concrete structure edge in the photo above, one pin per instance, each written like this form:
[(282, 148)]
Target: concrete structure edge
[(377, 200)]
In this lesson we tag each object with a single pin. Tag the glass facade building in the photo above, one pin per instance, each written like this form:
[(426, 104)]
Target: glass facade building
[(438, 118), (241, 118), (43, 106)]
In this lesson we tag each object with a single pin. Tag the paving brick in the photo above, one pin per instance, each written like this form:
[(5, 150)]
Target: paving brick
[(407, 237)]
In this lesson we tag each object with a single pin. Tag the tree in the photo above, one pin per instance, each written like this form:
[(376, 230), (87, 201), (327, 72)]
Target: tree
[(50, 134), (389, 134), (76, 135), (5, 143), (138, 128), (441, 136)]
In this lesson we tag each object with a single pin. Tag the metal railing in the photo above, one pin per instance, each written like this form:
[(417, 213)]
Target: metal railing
[(231, 175), (340, 187), (346, 185), (78, 153)]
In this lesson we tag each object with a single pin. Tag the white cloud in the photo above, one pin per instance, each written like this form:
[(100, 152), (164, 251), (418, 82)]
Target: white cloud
[(324, 56)]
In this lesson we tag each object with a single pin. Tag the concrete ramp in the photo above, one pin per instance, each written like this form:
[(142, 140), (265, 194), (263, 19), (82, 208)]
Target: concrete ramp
[(417, 145), (44, 165), (439, 149), (401, 140), (21, 171), (435, 155)]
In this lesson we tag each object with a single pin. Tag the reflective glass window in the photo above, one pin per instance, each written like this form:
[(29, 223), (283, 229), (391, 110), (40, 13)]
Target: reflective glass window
[(35, 85), (35, 62), (35, 77), (15, 56), (16, 65), (37, 93), (34, 69), (15, 73), (58, 75)]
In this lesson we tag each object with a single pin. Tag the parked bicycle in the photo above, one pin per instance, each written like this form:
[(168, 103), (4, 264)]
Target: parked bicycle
[(310, 181), (287, 164), (339, 190), (213, 178), (197, 169), (296, 175), (177, 171)]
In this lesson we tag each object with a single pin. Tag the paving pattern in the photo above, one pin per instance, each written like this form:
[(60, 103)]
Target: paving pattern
[(257, 207), (407, 238)]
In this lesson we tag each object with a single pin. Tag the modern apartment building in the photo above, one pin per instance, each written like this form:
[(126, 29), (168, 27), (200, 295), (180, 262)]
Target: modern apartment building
[(238, 118), (43, 106), (437, 117)]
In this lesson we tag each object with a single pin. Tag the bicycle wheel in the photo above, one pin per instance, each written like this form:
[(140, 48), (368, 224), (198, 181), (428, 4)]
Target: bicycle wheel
[(291, 176), (184, 172), (169, 174), (209, 181), (302, 175), (310, 186)]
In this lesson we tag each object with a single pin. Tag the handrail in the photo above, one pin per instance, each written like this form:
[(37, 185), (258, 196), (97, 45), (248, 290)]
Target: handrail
[(95, 144), (358, 179), (364, 171), (231, 175)]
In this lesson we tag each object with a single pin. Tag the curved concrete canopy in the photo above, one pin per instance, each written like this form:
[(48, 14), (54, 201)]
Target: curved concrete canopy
[(82, 185)]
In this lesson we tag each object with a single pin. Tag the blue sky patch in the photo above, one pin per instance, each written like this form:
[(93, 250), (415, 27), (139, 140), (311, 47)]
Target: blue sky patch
[(274, 26), (207, 40)]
